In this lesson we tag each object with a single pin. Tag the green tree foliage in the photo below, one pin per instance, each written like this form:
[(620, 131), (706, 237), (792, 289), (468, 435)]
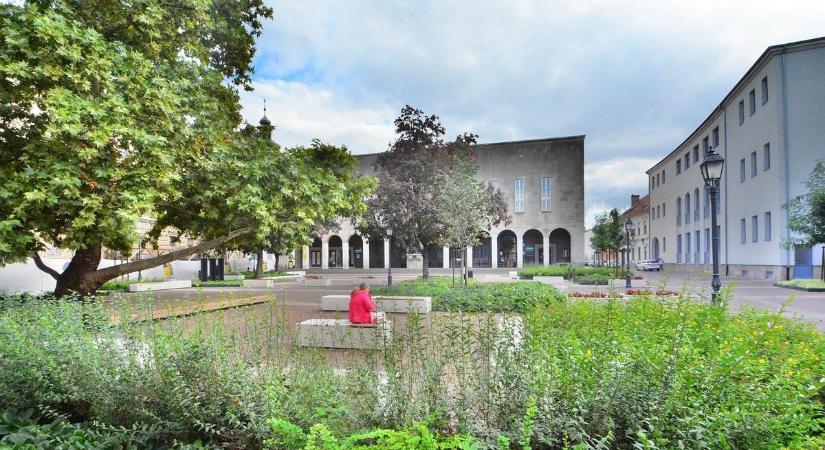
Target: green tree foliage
[(411, 176), (608, 234), (807, 213), (113, 111), (466, 207)]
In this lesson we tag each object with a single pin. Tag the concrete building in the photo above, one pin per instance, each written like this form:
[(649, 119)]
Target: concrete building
[(639, 214), (770, 128), (542, 182)]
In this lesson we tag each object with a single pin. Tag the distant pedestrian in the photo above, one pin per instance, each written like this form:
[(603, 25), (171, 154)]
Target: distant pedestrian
[(361, 306)]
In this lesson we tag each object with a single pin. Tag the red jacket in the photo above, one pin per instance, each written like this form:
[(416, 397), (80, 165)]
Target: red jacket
[(360, 307)]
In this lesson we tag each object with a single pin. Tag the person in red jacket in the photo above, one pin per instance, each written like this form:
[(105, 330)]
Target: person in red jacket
[(361, 307)]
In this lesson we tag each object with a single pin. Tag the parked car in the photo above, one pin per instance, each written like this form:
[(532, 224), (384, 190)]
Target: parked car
[(650, 264)]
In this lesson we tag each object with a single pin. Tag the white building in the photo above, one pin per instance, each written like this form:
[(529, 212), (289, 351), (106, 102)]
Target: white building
[(770, 128), (639, 215)]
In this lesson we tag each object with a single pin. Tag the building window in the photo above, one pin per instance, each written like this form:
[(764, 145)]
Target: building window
[(767, 226), (696, 205), (664, 245), (695, 154), (678, 210), (752, 101), (687, 161), (743, 231), (707, 245), (678, 166), (664, 209), (687, 247), (678, 248), (753, 164), (754, 228), (705, 146), (766, 156), (663, 176), (742, 170), (764, 90), (706, 210), (657, 180), (696, 247), (546, 193), (519, 206), (687, 209), (741, 112), (716, 137), (652, 183)]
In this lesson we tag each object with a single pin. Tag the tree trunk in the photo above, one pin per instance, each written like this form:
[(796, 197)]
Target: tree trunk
[(259, 264), (81, 276), (822, 266), (464, 267), (277, 262), (425, 262)]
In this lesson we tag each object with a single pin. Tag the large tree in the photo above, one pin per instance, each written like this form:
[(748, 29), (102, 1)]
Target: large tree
[(806, 218), (607, 232), (410, 176), (468, 207), (112, 111)]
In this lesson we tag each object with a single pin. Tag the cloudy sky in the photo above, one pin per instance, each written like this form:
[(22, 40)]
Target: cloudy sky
[(635, 77)]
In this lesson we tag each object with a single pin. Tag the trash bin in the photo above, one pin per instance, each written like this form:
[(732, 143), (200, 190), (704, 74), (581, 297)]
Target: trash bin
[(469, 274)]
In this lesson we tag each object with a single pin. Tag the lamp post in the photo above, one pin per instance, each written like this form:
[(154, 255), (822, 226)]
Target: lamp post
[(711, 169), (628, 225), (389, 266)]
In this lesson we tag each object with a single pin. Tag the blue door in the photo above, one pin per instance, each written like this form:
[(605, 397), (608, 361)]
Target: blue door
[(803, 263)]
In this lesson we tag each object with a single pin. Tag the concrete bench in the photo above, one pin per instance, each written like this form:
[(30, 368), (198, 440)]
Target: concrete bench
[(317, 282), (340, 333), (513, 275), (258, 284), (160, 285), (392, 304)]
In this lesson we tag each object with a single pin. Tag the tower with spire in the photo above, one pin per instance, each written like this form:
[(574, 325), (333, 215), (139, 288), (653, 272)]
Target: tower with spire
[(265, 126)]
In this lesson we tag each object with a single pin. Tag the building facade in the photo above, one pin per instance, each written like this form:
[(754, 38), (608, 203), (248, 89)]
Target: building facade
[(770, 128), (639, 215), (542, 182)]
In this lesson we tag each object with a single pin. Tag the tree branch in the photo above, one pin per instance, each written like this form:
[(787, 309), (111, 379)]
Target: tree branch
[(42, 266), (142, 264)]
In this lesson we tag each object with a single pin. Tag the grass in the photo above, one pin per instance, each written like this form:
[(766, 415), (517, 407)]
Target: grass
[(805, 283), (217, 283), (565, 271), (250, 275), (495, 297)]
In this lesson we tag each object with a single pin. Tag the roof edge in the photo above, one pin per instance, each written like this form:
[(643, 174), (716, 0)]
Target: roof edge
[(577, 137)]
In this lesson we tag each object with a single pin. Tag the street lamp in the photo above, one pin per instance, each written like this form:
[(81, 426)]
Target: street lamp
[(711, 169), (389, 266), (628, 225)]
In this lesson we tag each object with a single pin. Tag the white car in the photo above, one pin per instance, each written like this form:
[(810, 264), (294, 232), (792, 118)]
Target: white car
[(650, 264)]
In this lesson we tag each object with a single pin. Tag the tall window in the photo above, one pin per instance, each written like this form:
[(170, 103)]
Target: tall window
[(752, 101), (764, 90), (743, 231), (664, 209), (687, 209), (663, 176), (741, 112), (519, 206), (766, 156), (687, 247), (678, 210), (705, 145), (696, 205), (546, 190), (707, 245), (767, 226), (657, 179), (742, 170), (754, 228), (716, 137), (678, 166), (753, 164), (696, 151), (678, 248), (696, 247), (687, 161), (664, 245), (707, 203)]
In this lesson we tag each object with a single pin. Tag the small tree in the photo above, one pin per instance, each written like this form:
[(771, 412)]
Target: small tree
[(607, 232), (806, 214), (467, 207)]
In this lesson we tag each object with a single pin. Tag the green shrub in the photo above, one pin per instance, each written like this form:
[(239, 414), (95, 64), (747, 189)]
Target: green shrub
[(116, 285), (477, 296), (593, 279), (287, 436), (564, 271), (217, 283)]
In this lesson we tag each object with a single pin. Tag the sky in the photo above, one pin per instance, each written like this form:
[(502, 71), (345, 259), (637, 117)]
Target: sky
[(635, 77)]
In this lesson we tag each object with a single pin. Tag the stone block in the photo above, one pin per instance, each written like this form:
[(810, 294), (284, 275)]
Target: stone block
[(160, 285), (258, 284), (317, 282), (340, 333)]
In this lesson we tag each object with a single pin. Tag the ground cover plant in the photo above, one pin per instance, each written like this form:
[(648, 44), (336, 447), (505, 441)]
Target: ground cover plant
[(217, 283), (643, 373), (476, 296), (806, 283)]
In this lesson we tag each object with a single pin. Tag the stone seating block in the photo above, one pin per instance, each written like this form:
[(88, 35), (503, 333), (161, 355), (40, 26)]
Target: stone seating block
[(160, 285), (550, 280), (340, 333), (391, 304), (317, 282), (257, 284), (513, 275)]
